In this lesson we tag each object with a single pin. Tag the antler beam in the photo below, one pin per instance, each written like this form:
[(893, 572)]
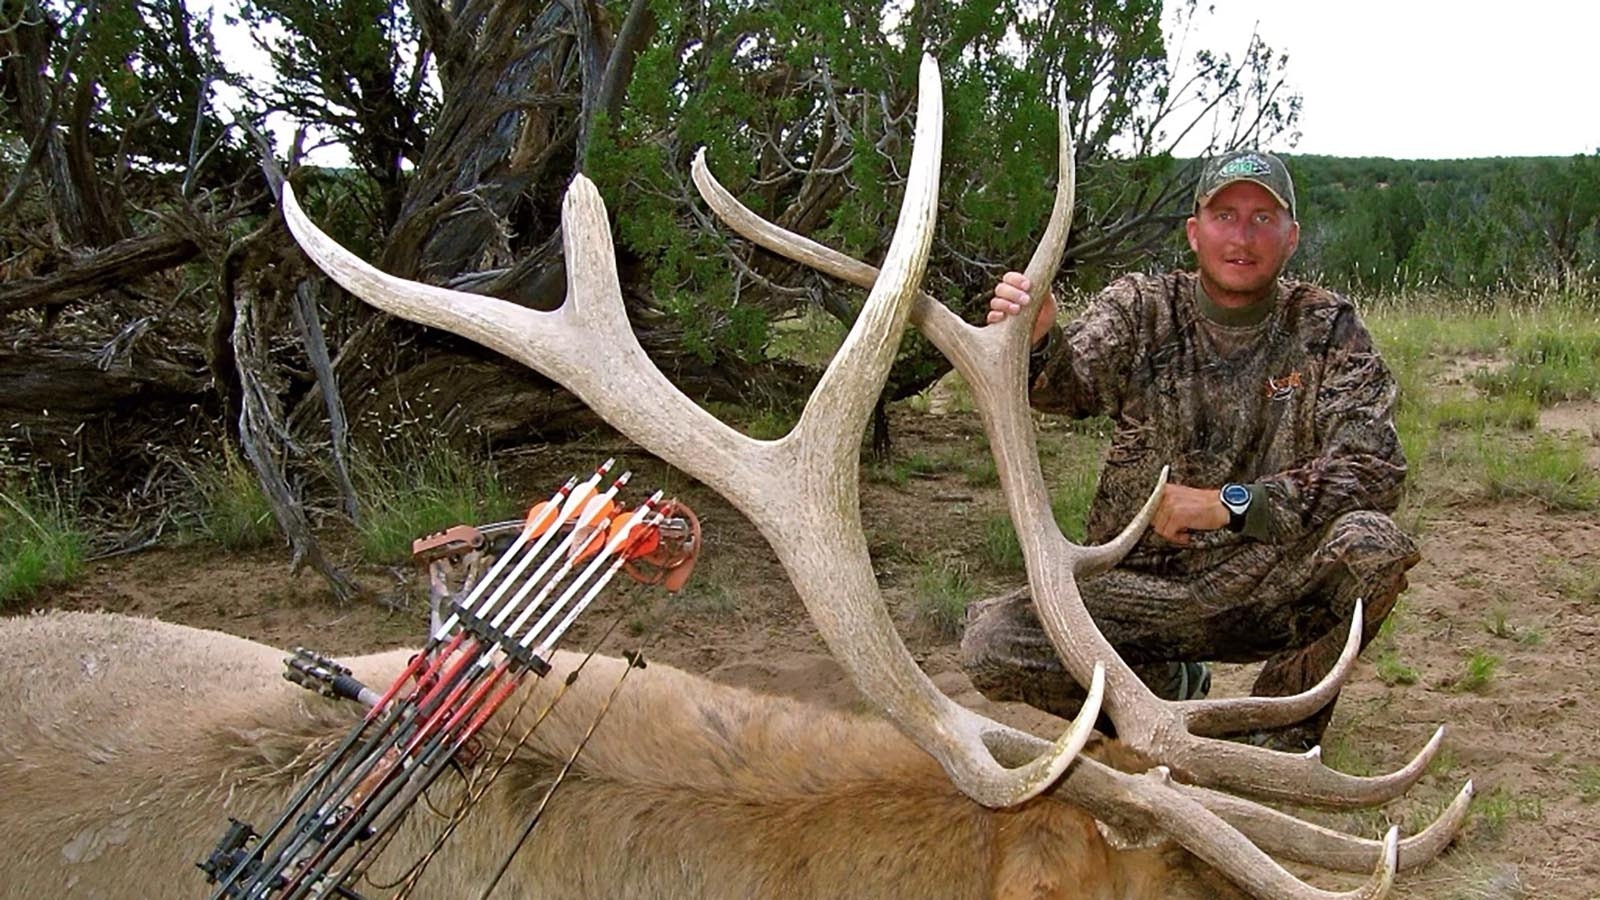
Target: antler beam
[(801, 490)]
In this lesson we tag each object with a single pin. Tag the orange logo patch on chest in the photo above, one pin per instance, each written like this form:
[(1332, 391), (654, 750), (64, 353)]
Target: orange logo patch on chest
[(1284, 388)]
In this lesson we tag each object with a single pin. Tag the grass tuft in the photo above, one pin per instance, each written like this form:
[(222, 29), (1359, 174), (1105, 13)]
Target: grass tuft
[(233, 510), (1550, 469), (1000, 550), (943, 590), (40, 544), (1392, 670), (408, 493), (1577, 582), (1588, 779), (1493, 810), (1480, 673)]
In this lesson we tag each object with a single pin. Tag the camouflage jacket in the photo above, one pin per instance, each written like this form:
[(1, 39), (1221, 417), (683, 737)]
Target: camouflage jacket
[(1298, 406)]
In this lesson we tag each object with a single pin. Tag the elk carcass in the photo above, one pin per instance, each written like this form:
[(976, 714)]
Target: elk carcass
[(128, 742)]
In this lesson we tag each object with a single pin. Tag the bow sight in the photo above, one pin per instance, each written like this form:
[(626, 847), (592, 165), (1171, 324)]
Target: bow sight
[(427, 721)]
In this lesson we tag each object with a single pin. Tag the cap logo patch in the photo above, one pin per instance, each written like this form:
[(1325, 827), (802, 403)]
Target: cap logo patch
[(1246, 166)]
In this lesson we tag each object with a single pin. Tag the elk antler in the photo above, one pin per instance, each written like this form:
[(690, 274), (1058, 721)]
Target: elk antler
[(992, 360), (801, 490)]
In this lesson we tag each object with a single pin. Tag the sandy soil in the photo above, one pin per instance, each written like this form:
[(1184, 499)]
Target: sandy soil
[(1504, 580)]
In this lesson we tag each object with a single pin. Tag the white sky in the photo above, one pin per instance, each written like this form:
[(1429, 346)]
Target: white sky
[(1411, 79), (1429, 79)]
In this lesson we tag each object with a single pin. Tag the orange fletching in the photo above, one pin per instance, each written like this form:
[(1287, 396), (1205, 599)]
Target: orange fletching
[(542, 517), (643, 541)]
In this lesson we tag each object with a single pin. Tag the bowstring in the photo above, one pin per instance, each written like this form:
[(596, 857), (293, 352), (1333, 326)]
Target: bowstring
[(533, 822)]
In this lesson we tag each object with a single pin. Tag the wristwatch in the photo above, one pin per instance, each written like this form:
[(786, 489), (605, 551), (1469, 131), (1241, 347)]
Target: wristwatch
[(1236, 497)]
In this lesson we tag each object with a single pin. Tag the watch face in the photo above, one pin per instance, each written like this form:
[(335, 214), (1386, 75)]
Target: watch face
[(1235, 494)]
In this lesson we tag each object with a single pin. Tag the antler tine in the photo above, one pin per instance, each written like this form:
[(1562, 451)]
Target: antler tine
[(801, 490), (1232, 715), (1293, 838), (1132, 803), (1196, 828), (562, 344), (1213, 822)]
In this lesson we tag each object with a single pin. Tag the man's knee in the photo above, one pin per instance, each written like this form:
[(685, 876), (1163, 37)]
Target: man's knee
[(1375, 554), (1368, 539), (1008, 657)]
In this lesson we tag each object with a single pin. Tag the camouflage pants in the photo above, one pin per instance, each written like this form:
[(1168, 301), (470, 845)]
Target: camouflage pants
[(1289, 605)]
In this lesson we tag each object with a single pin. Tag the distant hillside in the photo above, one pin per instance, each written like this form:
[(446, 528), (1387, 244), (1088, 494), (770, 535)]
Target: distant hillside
[(1374, 225)]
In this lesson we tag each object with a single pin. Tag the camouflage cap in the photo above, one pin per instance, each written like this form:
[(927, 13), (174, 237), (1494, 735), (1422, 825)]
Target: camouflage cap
[(1246, 165)]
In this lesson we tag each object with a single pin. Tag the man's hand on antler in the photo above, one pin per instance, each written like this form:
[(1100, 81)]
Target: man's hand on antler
[(1187, 509), (1011, 295)]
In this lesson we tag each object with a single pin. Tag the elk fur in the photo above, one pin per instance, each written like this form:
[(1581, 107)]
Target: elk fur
[(125, 744)]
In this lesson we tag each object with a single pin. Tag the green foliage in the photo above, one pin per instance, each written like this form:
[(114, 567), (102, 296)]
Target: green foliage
[(983, 471), (1492, 810), (1589, 783), (705, 596), (1576, 581), (1074, 490), (1478, 226), (1549, 364), (805, 113), (145, 67), (1392, 670), (349, 66), (40, 544), (900, 469), (1510, 359), (1548, 468), (1498, 623), (942, 591), (1514, 411), (233, 509), (409, 490)]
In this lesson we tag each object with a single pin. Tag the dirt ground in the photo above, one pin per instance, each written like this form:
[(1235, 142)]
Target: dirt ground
[(1505, 580)]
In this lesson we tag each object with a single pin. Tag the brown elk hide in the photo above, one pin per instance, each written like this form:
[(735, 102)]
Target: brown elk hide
[(126, 743)]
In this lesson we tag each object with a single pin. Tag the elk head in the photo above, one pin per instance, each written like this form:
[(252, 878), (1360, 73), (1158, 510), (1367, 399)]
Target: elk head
[(802, 492)]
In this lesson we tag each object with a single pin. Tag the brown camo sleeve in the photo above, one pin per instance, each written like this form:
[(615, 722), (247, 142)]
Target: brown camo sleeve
[(1359, 463), (1083, 369)]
